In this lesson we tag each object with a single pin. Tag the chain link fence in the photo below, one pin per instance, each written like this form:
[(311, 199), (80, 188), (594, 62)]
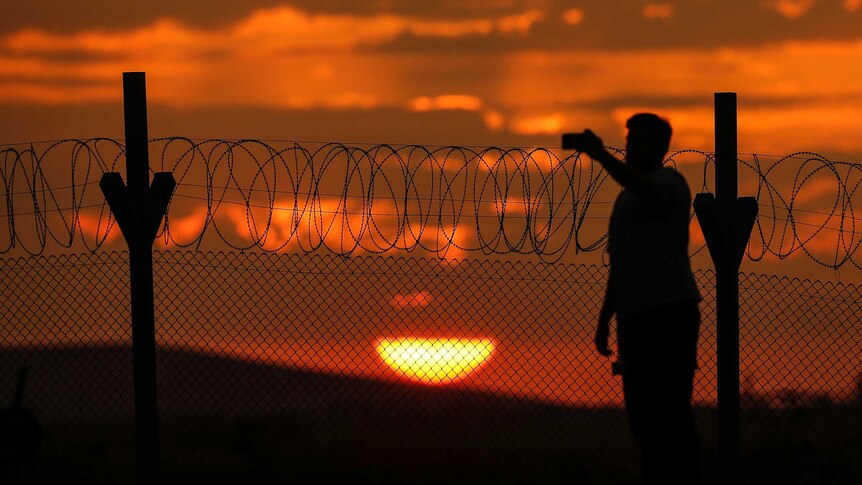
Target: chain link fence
[(298, 367)]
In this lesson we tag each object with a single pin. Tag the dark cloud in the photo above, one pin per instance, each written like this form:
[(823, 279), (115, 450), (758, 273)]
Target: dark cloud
[(64, 16), (694, 24), (683, 101), (24, 123), (612, 25)]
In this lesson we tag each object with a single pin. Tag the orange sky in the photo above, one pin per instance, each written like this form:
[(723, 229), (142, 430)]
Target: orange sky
[(512, 72), (453, 72), (501, 72)]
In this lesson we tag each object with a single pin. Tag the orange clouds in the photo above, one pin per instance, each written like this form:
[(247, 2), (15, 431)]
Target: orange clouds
[(573, 16), (329, 222), (658, 11), (265, 59), (535, 125), (57, 93), (291, 227), (184, 229), (272, 59), (519, 23), (94, 227), (266, 32), (167, 36), (779, 131), (822, 235), (445, 102), (772, 71), (791, 9), (494, 120)]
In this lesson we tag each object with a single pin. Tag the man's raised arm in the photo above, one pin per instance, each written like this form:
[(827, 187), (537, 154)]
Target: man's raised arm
[(625, 174)]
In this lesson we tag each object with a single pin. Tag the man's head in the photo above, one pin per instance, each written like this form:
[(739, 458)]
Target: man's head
[(647, 141)]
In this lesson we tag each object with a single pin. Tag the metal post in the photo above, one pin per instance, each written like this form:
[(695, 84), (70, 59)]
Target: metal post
[(726, 221), (139, 209), (141, 278), (137, 136), (726, 152), (727, 290)]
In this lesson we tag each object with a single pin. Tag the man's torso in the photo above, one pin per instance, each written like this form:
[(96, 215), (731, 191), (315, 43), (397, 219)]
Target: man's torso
[(648, 246)]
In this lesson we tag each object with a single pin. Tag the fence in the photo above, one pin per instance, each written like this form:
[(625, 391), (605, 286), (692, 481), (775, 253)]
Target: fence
[(270, 367), (288, 355)]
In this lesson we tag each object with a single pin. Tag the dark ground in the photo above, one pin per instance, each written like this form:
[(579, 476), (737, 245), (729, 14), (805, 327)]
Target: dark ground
[(225, 421)]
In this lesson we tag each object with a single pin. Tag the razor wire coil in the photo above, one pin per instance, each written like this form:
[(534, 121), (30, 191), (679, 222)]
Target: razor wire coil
[(352, 199)]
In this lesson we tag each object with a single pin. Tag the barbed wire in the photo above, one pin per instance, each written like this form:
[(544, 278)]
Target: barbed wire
[(349, 199)]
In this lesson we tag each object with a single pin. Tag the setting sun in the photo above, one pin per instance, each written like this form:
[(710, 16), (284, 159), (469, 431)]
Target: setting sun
[(434, 360)]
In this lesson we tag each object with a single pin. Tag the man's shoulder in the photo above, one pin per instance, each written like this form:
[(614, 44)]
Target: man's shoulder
[(666, 171), (670, 176)]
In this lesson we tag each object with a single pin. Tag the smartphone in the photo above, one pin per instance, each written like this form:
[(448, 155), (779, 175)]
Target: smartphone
[(573, 141)]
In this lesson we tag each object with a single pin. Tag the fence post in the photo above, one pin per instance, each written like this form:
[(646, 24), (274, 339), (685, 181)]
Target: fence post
[(726, 221), (138, 209)]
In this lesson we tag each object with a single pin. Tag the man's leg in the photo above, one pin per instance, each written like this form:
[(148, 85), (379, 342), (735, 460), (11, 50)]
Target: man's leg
[(634, 344), (690, 319), (682, 446), (636, 392), (659, 349)]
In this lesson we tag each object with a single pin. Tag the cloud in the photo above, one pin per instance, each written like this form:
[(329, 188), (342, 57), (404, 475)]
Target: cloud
[(494, 120), (342, 227), (573, 16), (541, 124), (822, 234), (791, 9), (519, 23), (509, 97), (93, 227), (816, 126), (167, 36), (808, 88), (271, 57), (184, 230), (287, 227), (658, 11), (266, 31), (816, 188), (55, 93), (446, 102)]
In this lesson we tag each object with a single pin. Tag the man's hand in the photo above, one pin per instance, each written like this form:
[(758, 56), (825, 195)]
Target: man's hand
[(586, 142), (602, 333)]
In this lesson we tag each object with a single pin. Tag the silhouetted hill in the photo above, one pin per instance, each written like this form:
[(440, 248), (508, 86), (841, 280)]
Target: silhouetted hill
[(224, 420), (97, 382)]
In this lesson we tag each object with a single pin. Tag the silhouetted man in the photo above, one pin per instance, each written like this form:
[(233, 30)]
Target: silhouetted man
[(652, 291)]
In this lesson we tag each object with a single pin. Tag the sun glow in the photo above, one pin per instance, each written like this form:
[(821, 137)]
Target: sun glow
[(434, 360)]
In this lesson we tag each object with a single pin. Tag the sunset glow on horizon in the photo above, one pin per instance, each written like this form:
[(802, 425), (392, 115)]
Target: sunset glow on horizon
[(434, 361)]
